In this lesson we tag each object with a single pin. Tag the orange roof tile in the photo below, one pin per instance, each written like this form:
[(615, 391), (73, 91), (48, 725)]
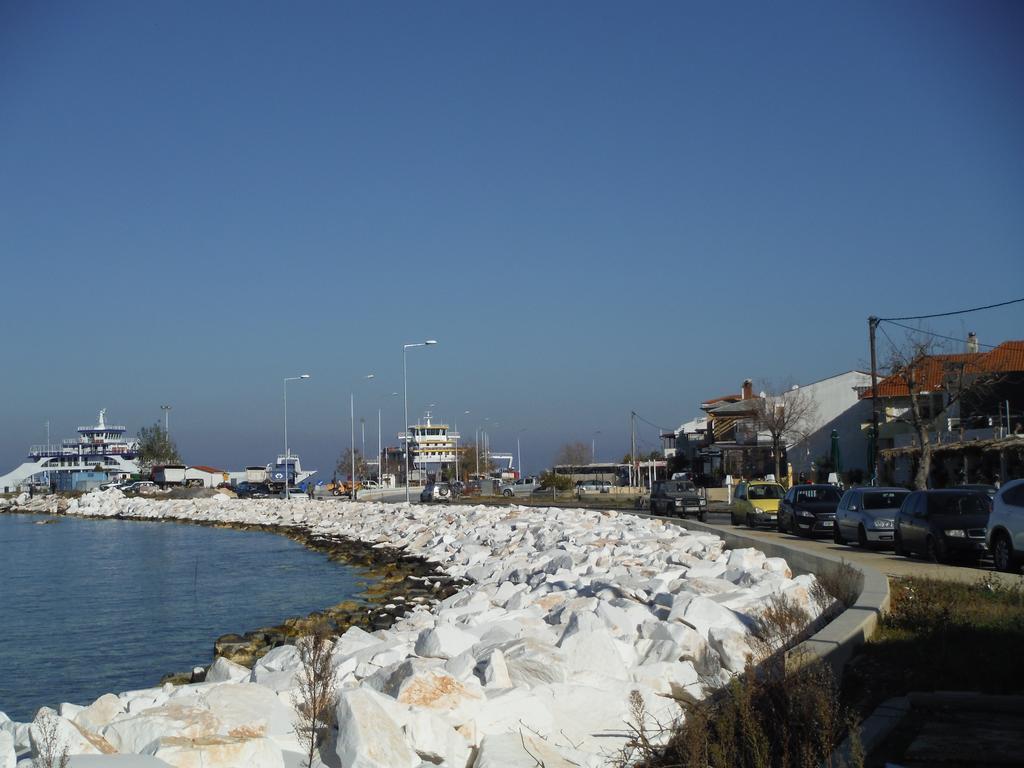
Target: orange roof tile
[(931, 372)]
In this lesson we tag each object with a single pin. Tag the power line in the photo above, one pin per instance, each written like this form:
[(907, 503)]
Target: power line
[(958, 312), (650, 423), (937, 335)]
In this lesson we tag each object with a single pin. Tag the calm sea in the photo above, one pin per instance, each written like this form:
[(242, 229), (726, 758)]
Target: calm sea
[(95, 606)]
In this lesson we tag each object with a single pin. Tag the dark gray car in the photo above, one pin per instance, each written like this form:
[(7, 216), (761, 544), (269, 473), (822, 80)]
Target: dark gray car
[(867, 515)]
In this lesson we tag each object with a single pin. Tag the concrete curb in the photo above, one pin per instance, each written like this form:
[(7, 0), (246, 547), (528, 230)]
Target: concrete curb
[(836, 641)]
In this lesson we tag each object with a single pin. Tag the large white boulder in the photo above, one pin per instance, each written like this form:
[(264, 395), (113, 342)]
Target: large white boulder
[(217, 752), (100, 713), (519, 750), (435, 740), (424, 683), (444, 642), (249, 710), (133, 733), (8, 757), (368, 737), (51, 734), (224, 670)]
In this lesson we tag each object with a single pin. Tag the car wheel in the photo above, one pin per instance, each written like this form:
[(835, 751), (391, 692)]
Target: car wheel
[(732, 518), (897, 546), (778, 524), (750, 520), (701, 516), (507, 493), (837, 535), (934, 550), (1002, 552), (862, 537)]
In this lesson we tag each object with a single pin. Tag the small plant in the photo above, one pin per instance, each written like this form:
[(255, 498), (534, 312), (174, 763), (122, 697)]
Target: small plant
[(841, 582), (318, 691), (50, 752)]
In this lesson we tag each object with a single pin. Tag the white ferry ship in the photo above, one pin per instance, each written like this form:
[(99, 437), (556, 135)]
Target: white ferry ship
[(431, 446), (99, 453)]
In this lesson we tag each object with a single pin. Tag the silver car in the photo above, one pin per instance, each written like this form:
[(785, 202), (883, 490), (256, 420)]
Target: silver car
[(866, 515), (1006, 527)]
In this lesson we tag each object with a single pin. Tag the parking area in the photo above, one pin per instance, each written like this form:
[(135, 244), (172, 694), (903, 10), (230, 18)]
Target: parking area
[(882, 559)]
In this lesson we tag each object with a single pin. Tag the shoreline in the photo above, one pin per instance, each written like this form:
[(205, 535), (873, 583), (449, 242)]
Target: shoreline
[(395, 582), (557, 622)]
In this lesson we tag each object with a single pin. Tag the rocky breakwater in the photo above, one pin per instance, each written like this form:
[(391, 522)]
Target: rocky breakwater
[(568, 615)]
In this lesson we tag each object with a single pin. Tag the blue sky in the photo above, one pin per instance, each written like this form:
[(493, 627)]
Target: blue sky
[(595, 208)]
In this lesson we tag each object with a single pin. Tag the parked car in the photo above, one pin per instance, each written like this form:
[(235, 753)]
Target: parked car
[(942, 524), (867, 515), (808, 510), (989, 489), (1006, 527), (677, 497), (247, 490), (756, 503), (593, 486), (436, 492), (524, 486), (138, 486)]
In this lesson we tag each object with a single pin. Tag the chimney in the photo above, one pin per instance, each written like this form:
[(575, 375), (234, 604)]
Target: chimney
[(748, 389), (972, 342)]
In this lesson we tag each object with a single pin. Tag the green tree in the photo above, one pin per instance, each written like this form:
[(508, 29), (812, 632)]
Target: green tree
[(345, 465), (468, 462), (560, 482), (157, 447)]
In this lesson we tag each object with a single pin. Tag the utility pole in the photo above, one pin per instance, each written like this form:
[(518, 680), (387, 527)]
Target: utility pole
[(872, 326), (634, 465)]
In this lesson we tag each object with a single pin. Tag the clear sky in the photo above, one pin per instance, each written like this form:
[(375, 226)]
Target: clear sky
[(594, 207)]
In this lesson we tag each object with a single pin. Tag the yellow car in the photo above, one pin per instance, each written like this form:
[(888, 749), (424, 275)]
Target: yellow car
[(756, 503)]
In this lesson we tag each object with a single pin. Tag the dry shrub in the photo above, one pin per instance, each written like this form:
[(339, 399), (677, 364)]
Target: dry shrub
[(841, 582), (318, 690), (50, 752)]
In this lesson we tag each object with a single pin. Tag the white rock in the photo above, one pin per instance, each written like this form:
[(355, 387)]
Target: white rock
[(64, 735), (434, 739), (8, 757), (594, 651), (100, 713), (249, 710), (224, 670), (519, 750), (133, 733), (444, 642), (367, 736), (217, 752)]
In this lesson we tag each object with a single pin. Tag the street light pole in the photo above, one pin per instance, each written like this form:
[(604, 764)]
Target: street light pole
[(287, 455), (405, 385), (352, 448), (167, 419)]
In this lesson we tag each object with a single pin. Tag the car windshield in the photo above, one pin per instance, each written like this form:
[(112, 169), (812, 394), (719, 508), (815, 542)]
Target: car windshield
[(884, 499), (765, 492), (959, 504), (812, 495), (682, 487)]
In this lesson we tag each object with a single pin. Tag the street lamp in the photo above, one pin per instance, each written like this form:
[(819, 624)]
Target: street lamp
[(519, 454), (167, 419), (352, 447), (287, 455), (593, 447), (405, 384)]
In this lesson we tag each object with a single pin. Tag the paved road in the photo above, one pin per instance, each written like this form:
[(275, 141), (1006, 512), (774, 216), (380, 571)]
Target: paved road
[(881, 559)]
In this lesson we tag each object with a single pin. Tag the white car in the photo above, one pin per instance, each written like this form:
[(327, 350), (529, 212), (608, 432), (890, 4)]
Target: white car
[(1005, 536), (594, 486)]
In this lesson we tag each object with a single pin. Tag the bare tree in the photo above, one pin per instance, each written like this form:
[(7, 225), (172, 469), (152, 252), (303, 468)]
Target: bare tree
[(788, 417), (318, 691), (573, 453), (920, 366), (344, 466), (51, 752)]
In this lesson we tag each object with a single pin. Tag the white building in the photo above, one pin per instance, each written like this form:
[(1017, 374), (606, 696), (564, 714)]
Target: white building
[(431, 446), (838, 407)]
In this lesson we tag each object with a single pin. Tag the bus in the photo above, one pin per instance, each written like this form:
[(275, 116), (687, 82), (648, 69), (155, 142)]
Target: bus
[(616, 474)]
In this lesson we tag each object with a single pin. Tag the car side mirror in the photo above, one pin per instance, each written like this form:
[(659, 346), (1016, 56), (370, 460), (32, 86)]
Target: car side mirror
[(853, 507)]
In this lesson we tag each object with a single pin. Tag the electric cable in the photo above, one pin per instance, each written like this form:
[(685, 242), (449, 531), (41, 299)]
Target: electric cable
[(958, 312)]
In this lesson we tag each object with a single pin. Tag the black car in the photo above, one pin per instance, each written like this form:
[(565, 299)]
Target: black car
[(247, 490), (809, 510), (678, 497), (943, 524)]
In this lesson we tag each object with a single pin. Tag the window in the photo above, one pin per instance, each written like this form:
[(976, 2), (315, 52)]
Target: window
[(884, 499), (1015, 496), (810, 495), (766, 492)]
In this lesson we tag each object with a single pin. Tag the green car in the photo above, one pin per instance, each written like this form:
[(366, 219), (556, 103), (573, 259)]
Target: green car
[(756, 503)]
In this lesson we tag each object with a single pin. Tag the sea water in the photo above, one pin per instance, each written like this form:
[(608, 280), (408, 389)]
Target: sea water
[(95, 606)]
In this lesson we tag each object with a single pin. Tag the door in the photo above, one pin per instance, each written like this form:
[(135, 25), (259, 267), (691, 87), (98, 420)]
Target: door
[(914, 525), (844, 515)]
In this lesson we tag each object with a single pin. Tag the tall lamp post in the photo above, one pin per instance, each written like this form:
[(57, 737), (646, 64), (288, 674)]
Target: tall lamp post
[(287, 455), (352, 447), (167, 419), (519, 454), (405, 384)]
